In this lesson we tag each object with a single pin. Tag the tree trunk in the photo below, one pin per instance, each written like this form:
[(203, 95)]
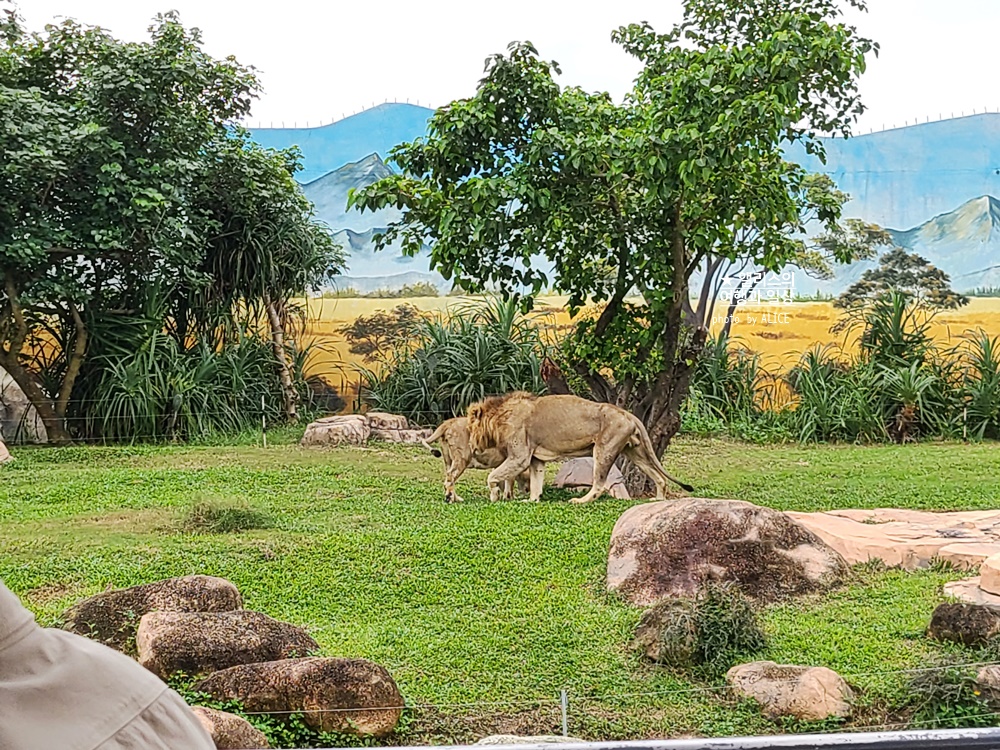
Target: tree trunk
[(288, 392), (664, 426), (74, 361), (55, 425), (660, 409)]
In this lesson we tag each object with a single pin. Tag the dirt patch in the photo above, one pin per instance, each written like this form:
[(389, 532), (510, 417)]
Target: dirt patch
[(51, 592)]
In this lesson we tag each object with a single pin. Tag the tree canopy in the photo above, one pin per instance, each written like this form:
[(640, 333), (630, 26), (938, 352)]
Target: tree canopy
[(527, 179), (130, 203), (907, 273)]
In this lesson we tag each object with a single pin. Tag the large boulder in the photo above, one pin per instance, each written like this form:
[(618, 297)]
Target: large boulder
[(202, 642), (969, 591), (806, 693), (350, 696), (113, 616), (346, 429), (968, 624), (989, 575), (18, 419), (910, 539), (228, 731), (579, 472), (672, 548)]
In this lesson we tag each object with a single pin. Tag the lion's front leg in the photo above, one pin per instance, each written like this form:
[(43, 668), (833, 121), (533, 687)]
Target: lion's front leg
[(455, 469), (506, 473), (508, 490)]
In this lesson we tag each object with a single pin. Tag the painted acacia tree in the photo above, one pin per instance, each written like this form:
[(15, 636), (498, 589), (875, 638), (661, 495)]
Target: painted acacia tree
[(124, 197), (844, 241), (907, 273), (526, 170)]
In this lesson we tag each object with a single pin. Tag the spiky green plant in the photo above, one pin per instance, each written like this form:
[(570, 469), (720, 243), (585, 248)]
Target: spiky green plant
[(476, 350)]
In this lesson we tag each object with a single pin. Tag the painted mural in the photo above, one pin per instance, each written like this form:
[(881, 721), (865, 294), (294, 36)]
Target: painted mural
[(934, 186)]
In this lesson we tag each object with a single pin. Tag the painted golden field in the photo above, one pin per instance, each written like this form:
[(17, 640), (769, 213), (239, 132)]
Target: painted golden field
[(780, 333)]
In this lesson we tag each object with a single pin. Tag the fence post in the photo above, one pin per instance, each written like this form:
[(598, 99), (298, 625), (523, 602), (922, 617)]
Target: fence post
[(564, 707), (263, 421)]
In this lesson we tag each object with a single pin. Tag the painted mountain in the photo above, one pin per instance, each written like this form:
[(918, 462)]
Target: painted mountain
[(355, 231), (329, 195), (896, 178), (964, 243), (330, 147), (345, 155)]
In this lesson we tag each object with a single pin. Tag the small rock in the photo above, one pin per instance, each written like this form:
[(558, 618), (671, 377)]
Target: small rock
[(347, 429), (988, 680), (967, 590), (350, 696), (112, 617), (202, 642), (668, 633), (806, 693), (4, 453), (514, 739), (380, 420), (18, 419), (672, 548), (968, 624), (408, 437), (579, 472), (989, 575), (230, 732)]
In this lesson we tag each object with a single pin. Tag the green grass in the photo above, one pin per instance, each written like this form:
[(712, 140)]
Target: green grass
[(500, 604)]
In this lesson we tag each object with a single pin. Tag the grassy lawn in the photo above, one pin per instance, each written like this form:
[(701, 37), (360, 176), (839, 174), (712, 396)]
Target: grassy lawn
[(481, 611)]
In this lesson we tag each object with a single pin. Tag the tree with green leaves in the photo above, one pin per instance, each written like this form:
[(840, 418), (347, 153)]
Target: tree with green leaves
[(905, 272), (128, 207), (263, 247), (527, 179)]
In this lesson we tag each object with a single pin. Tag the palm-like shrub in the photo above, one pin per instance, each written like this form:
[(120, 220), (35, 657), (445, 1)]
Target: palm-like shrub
[(449, 362)]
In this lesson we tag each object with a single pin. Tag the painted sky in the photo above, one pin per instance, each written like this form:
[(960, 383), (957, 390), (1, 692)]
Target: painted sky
[(320, 61)]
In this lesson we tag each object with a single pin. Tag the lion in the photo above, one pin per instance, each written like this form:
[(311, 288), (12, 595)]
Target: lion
[(453, 435), (528, 428)]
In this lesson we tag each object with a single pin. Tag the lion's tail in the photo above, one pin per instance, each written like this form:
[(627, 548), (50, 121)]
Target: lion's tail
[(647, 444), (433, 438)]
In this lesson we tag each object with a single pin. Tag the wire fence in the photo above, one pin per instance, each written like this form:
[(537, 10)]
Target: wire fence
[(569, 710)]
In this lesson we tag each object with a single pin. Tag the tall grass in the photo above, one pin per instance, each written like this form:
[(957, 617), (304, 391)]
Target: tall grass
[(480, 349), (900, 386), (164, 391)]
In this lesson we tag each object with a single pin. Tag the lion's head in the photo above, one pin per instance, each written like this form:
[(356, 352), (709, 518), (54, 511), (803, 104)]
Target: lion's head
[(488, 418)]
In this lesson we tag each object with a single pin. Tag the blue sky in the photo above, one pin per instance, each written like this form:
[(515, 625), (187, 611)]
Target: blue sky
[(320, 61)]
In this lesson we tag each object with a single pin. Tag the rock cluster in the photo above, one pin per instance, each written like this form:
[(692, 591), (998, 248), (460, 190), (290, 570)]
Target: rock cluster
[(358, 429), (196, 625)]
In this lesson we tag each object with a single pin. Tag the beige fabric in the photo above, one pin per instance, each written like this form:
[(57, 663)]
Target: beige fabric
[(60, 690)]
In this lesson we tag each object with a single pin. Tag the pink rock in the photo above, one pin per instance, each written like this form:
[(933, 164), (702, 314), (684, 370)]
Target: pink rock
[(909, 539)]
